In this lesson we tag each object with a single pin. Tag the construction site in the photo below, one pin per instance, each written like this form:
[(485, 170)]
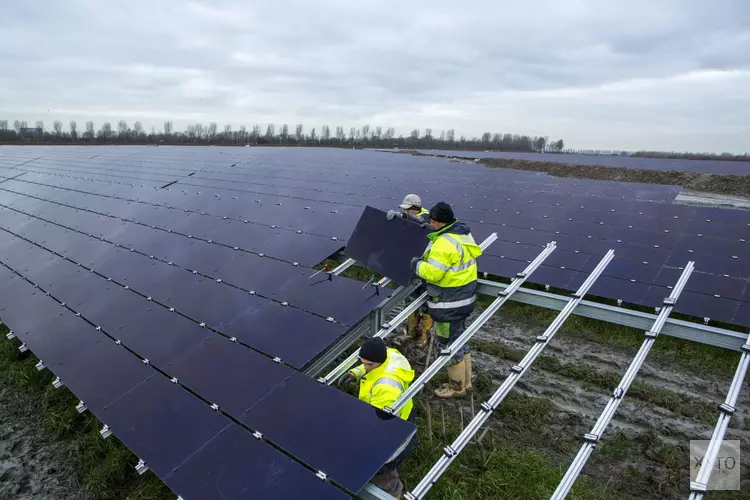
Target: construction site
[(177, 318)]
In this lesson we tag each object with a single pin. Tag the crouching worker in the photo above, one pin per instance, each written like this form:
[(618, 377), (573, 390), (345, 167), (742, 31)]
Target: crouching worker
[(383, 376)]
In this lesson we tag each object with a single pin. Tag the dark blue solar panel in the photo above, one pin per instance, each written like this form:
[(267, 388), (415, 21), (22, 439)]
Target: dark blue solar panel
[(235, 465), (507, 268), (319, 410), (291, 334), (701, 305), (162, 423), (244, 378), (615, 288), (742, 315)]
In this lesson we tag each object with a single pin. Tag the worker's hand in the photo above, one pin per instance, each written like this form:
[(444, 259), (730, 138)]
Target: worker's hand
[(348, 379), (414, 262), (392, 214)]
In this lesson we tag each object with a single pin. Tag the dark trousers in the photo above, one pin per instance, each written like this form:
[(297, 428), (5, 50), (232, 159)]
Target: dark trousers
[(446, 333)]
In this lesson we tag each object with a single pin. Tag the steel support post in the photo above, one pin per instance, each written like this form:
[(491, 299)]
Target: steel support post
[(445, 354), (486, 408), (592, 438)]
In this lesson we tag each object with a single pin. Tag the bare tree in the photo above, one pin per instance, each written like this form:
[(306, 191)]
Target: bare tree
[(89, 130), (243, 134), (40, 125), (284, 133), (122, 129), (270, 131), (313, 137), (138, 130), (365, 132), (442, 136), (3, 125), (298, 133), (73, 129), (340, 134), (211, 130), (352, 134), (227, 133), (390, 133), (57, 127), (486, 138), (167, 128), (428, 134), (414, 135), (106, 131), (256, 133), (325, 133), (378, 133), (450, 135), (17, 126)]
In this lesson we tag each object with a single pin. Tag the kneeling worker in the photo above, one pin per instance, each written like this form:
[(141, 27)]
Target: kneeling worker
[(383, 376), (449, 267), (418, 323)]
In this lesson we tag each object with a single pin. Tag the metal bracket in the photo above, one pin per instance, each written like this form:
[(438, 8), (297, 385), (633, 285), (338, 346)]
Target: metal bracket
[(257, 435), (542, 338), (726, 409), (698, 487), (449, 452), (651, 334), (745, 347), (23, 348), (40, 366), (591, 438), (10, 335), (81, 407), (141, 467), (516, 368), (105, 432), (215, 407), (445, 352), (57, 383), (321, 475), (670, 301), (618, 393)]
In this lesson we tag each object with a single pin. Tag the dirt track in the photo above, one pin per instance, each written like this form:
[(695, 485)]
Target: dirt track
[(31, 465)]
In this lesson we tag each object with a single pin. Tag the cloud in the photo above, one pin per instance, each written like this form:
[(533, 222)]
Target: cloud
[(623, 75)]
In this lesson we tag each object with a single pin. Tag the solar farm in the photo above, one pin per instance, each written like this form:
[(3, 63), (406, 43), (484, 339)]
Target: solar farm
[(179, 293)]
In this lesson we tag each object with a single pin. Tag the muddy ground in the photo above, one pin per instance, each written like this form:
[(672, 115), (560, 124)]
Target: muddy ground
[(32, 466), (645, 450)]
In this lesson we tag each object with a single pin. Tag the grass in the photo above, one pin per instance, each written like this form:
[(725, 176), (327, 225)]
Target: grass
[(103, 467), (605, 382), (700, 357), (511, 469)]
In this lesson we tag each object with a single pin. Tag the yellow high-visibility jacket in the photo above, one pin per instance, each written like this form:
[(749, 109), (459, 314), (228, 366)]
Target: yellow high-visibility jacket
[(385, 384), (449, 267)]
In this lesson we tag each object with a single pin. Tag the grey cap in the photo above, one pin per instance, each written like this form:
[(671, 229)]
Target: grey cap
[(411, 200)]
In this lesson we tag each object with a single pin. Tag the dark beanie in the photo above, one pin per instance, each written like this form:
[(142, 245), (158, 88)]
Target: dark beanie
[(373, 350), (442, 212)]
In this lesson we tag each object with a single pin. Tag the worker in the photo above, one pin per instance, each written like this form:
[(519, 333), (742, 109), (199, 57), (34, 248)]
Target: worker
[(449, 268), (419, 323), (383, 376), (412, 211)]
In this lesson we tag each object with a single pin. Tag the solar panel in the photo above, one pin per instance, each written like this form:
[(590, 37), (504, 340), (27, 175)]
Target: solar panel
[(341, 458), (386, 247)]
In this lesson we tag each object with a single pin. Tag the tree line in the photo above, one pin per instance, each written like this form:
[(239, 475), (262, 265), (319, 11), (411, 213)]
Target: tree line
[(365, 136)]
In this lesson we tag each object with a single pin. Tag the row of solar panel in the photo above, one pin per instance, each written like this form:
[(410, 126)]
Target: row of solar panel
[(281, 171), (540, 217), (177, 433), (631, 243), (658, 164), (233, 311)]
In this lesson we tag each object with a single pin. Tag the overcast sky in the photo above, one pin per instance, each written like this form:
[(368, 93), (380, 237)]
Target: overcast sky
[(657, 74)]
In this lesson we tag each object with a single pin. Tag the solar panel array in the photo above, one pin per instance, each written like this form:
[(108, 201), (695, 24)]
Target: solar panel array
[(199, 259), (658, 164)]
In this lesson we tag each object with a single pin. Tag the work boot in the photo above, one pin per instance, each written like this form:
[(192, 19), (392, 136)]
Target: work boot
[(456, 388), (412, 326), (467, 382), (424, 332)]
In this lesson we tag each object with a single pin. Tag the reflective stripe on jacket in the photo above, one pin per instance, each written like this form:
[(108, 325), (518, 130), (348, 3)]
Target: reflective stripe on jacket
[(385, 384), (449, 267)]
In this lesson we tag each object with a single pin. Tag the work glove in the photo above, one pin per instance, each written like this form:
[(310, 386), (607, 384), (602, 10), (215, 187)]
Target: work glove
[(414, 262), (348, 379), (393, 214)]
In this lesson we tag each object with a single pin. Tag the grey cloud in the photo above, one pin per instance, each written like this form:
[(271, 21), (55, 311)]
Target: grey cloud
[(571, 69)]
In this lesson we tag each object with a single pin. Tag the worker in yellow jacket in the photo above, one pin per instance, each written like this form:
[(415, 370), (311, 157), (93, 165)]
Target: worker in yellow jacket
[(383, 376), (449, 268), (419, 323)]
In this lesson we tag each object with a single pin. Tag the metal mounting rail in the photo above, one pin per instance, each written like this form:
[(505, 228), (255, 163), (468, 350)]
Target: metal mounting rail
[(592, 438), (343, 267), (446, 353), (388, 327), (486, 408), (699, 487)]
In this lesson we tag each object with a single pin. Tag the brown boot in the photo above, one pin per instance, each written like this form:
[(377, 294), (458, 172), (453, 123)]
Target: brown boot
[(424, 332), (412, 326), (467, 381), (456, 388)]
